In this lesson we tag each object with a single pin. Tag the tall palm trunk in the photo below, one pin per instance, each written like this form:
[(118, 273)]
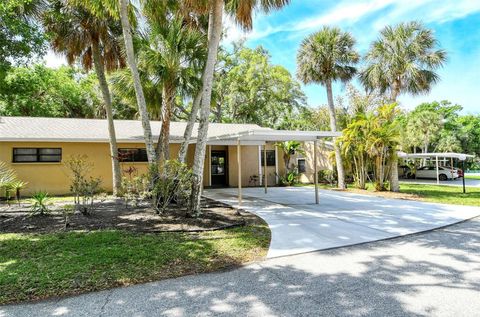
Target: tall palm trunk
[(215, 25), (182, 154), (333, 128), (142, 106), (168, 96), (99, 69), (394, 183)]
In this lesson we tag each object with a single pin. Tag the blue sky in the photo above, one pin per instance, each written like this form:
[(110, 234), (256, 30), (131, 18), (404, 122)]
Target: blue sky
[(456, 24)]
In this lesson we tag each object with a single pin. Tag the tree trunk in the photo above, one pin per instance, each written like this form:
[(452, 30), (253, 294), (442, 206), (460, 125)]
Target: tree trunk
[(142, 106), (168, 97), (99, 69), (215, 25), (182, 154), (333, 128), (394, 183)]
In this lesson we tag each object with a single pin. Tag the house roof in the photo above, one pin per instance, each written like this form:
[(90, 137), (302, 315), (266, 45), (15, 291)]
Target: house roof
[(35, 129)]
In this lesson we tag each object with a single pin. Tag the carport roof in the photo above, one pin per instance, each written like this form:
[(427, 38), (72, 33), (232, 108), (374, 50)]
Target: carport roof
[(460, 156), (265, 135)]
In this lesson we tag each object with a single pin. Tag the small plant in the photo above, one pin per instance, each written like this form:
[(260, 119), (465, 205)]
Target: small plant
[(290, 179), (40, 202), (135, 189), (67, 211), (83, 189), (16, 187)]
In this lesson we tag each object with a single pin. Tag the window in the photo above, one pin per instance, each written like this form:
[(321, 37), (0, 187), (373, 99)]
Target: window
[(270, 158), (132, 155), (302, 168), (37, 155)]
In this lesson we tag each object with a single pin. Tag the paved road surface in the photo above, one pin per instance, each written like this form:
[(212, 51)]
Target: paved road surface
[(430, 274)]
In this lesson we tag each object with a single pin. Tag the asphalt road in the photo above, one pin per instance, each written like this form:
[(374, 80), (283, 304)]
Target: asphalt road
[(430, 274)]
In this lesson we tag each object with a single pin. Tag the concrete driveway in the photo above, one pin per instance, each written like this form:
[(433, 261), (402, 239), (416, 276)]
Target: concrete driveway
[(341, 219)]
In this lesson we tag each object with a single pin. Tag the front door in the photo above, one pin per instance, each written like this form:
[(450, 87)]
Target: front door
[(219, 168)]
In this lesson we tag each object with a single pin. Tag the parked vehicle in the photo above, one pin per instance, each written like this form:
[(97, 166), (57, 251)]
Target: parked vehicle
[(444, 173)]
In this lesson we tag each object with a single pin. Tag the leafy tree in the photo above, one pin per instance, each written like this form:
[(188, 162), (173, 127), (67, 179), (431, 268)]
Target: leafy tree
[(422, 128), (324, 57), (249, 89), (39, 91), (92, 40), (469, 133), (403, 60), (21, 39), (382, 141)]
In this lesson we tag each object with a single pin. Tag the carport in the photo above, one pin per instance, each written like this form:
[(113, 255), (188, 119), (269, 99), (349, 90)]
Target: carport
[(264, 136), (460, 156)]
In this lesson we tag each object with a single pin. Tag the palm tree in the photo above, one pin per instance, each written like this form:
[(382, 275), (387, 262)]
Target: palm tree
[(403, 60), (173, 54), (324, 57), (82, 36), (242, 12)]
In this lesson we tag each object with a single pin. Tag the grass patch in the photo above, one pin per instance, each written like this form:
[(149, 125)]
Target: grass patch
[(444, 194), (477, 177), (36, 266), (423, 192)]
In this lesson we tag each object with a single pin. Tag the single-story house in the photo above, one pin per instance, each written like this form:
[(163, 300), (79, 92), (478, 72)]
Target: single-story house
[(36, 148)]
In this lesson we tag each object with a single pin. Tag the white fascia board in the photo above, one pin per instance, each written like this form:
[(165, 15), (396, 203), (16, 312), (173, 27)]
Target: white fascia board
[(234, 142), (460, 156), (277, 135), (76, 140)]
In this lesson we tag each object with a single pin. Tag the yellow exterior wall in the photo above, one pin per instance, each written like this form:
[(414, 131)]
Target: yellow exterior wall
[(54, 177)]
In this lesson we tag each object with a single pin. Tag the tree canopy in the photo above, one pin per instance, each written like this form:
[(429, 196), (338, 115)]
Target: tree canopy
[(250, 89)]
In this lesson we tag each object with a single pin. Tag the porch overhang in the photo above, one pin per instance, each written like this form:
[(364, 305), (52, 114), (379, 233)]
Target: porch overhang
[(262, 137), (266, 135)]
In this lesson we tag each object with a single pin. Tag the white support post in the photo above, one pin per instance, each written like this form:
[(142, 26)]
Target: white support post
[(209, 165), (239, 162), (260, 173), (265, 166), (438, 176), (315, 176), (276, 164)]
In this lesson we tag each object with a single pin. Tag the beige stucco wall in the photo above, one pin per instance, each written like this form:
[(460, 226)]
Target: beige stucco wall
[(323, 162)]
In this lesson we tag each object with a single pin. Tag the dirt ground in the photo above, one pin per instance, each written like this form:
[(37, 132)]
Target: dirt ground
[(113, 214)]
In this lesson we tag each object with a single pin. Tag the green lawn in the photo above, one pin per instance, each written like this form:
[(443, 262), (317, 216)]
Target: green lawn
[(39, 266), (472, 176), (444, 194), (423, 192)]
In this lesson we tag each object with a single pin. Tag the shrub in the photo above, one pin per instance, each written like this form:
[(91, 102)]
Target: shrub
[(327, 177), (40, 201), (83, 189), (290, 179), (135, 189), (173, 185)]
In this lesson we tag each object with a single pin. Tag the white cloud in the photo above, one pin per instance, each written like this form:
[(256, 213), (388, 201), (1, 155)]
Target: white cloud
[(348, 12)]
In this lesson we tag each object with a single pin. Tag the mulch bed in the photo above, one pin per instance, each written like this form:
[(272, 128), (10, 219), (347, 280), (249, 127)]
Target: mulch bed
[(113, 214)]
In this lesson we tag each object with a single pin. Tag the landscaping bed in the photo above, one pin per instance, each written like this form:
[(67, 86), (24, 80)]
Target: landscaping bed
[(118, 247), (114, 214)]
